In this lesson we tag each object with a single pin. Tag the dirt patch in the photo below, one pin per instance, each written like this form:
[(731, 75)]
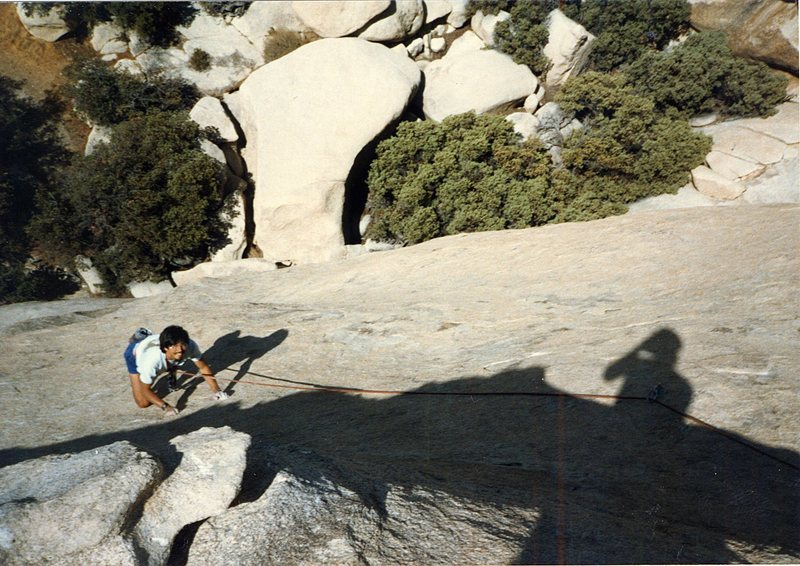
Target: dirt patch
[(38, 64)]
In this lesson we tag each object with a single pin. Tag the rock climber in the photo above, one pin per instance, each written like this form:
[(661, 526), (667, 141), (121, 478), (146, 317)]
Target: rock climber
[(149, 355)]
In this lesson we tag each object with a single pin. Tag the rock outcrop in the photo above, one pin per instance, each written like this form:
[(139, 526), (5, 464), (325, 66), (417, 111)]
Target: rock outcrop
[(203, 485), (765, 31), (307, 116), (752, 160), (48, 27), (470, 77), (74, 509), (568, 47)]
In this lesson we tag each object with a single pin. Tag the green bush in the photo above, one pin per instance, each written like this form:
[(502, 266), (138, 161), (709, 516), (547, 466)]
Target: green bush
[(222, 9), (626, 29), (702, 75), (200, 60), (524, 36), (139, 207), (108, 96), (280, 42), (627, 150), (467, 173), (153, 22)]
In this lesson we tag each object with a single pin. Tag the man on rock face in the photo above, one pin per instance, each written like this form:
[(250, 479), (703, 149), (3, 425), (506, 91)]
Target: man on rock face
[(149, 355)]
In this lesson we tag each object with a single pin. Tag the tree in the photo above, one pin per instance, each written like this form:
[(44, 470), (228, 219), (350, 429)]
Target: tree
[(626, 29), (154, 22), (108, 96), (30, 153), (139, 207)]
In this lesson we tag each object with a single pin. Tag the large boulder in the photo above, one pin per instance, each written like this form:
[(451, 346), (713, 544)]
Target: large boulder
[(470, 77), (766, 31), (204, 484), (484, 25), (404, 18), (316, 512), (306, 117), (74, 509), (338, 18), (568, 47), (48, 27), (209, 112)]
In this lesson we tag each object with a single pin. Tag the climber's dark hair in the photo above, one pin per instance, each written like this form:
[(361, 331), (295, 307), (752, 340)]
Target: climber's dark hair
[(172, 335)]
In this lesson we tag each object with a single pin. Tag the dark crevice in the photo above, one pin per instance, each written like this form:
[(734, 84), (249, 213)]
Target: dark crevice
[(250, 250)]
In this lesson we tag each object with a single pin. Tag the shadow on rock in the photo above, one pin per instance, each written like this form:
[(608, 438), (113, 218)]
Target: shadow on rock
[(232, 349), (631, 482)]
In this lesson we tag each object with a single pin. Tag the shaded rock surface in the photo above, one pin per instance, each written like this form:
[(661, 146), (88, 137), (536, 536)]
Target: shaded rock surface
[(496, 337), (203, 485), (67, 509), (315, 511)]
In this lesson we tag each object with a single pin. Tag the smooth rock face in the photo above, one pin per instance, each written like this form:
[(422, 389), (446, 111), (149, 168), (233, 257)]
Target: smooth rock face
[(59, 508), (223, 268), (338, 18), (766, 31), (106, 38), (471, 78), (568, 47), (203, 485), (303, 138)]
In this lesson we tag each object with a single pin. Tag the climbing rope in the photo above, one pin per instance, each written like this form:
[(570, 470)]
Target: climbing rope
[(652, 397)]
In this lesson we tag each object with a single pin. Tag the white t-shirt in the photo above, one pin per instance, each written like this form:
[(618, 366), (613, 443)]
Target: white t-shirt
[(151, 361)]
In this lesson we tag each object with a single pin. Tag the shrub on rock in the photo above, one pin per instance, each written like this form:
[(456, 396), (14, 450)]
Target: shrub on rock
[(468, 173), (626, 150), (140, 206), (281, 42), (108, 96), (625, 30), (200, 60), (702, 75)]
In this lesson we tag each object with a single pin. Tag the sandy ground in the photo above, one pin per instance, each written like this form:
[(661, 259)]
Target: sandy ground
[(38, 64)]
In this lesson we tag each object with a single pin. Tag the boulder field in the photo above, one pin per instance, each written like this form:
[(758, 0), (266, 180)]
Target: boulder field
[(615, 391)]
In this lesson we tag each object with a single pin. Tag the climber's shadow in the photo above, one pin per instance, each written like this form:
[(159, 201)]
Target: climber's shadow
[(229, 350)]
